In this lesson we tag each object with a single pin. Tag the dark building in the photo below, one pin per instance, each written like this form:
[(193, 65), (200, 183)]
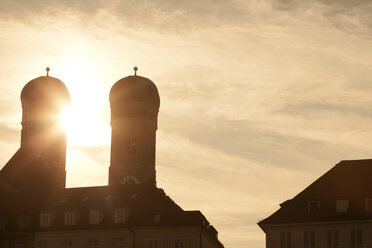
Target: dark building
[(36, 210), (334, 211)]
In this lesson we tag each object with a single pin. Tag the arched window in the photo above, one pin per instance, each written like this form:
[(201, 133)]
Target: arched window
[(132, 146)]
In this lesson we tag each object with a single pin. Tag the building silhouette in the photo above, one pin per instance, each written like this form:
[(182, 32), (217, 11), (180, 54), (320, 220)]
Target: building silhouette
[(334, 211), (37, 210)]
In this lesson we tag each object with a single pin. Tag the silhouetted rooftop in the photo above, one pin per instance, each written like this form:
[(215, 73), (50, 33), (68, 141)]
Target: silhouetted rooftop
[(45, 89), (144, 206), (135, 88), (349, 181)]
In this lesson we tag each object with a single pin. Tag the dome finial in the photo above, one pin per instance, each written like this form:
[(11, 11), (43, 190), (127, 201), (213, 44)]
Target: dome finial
[(47, 70), (135, 70)]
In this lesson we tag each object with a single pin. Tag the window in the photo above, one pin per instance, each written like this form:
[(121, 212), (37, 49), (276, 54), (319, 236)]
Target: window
[(332, 238), (70, 218), (157, 218), (285, 240), (309, 239), (45, 219), (153, 244), (119, 243), (67, 243), (2, 221), (41, 244), (178, 243), (120, 215), (369, 205), (93, 243), (132, 146), (356, 237), (313, 207), (342, 206), (22, 221), (94, 217)]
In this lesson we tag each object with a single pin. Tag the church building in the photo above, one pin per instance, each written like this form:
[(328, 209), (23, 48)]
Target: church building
[(36, 208)]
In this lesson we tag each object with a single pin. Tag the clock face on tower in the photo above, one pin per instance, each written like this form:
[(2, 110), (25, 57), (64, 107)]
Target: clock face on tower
[(129, 180)]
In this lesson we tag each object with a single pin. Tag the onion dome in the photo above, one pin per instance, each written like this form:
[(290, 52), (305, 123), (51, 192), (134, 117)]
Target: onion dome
[(135, 88), (45, 89)]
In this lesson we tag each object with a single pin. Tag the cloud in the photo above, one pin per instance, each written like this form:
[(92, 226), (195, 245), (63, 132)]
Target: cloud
[(24, 8)]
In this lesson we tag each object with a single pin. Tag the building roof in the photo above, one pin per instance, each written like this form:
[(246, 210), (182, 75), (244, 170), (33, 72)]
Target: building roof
[(135, 88), (45, 89), (349, 182), (143, 206)]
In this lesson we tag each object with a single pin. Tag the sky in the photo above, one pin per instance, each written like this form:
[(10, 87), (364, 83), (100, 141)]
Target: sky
[(258, 98)]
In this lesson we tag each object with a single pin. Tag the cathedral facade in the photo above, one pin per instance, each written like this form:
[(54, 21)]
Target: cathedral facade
[(37, 210)]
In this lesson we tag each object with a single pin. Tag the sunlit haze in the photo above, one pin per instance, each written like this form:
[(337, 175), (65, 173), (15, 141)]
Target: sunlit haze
[(84, 120), (258, 98)]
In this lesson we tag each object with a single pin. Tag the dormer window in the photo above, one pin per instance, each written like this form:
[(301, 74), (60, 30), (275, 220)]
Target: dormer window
[(94, 217), (369, 204), (70, 218), (23, 221), (342, 206), (313, 207), (120, 215), (45, 219), (157, 218)]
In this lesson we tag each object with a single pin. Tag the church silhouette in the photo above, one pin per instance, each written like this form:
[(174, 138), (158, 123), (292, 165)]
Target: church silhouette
[(37, 210)]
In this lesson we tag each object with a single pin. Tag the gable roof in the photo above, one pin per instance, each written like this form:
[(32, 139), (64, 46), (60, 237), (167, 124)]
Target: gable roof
[(143, 206), (349, 180)]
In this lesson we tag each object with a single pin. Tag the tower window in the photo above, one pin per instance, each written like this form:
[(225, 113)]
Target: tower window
[(132, 143)]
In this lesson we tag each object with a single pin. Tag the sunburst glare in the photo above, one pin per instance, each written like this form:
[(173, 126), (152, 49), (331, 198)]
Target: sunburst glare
[(85, 120)]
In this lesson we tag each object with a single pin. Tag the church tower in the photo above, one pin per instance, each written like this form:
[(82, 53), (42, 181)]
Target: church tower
[(39, 164), (135, 105)]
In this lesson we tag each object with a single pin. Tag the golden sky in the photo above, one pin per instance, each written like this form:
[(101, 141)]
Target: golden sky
[(258, 98)]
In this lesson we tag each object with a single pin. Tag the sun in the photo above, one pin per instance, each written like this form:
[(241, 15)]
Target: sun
[(86, 119)]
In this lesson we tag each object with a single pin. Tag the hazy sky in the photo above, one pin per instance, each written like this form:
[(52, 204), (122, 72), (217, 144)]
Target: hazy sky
[(258, 98)]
